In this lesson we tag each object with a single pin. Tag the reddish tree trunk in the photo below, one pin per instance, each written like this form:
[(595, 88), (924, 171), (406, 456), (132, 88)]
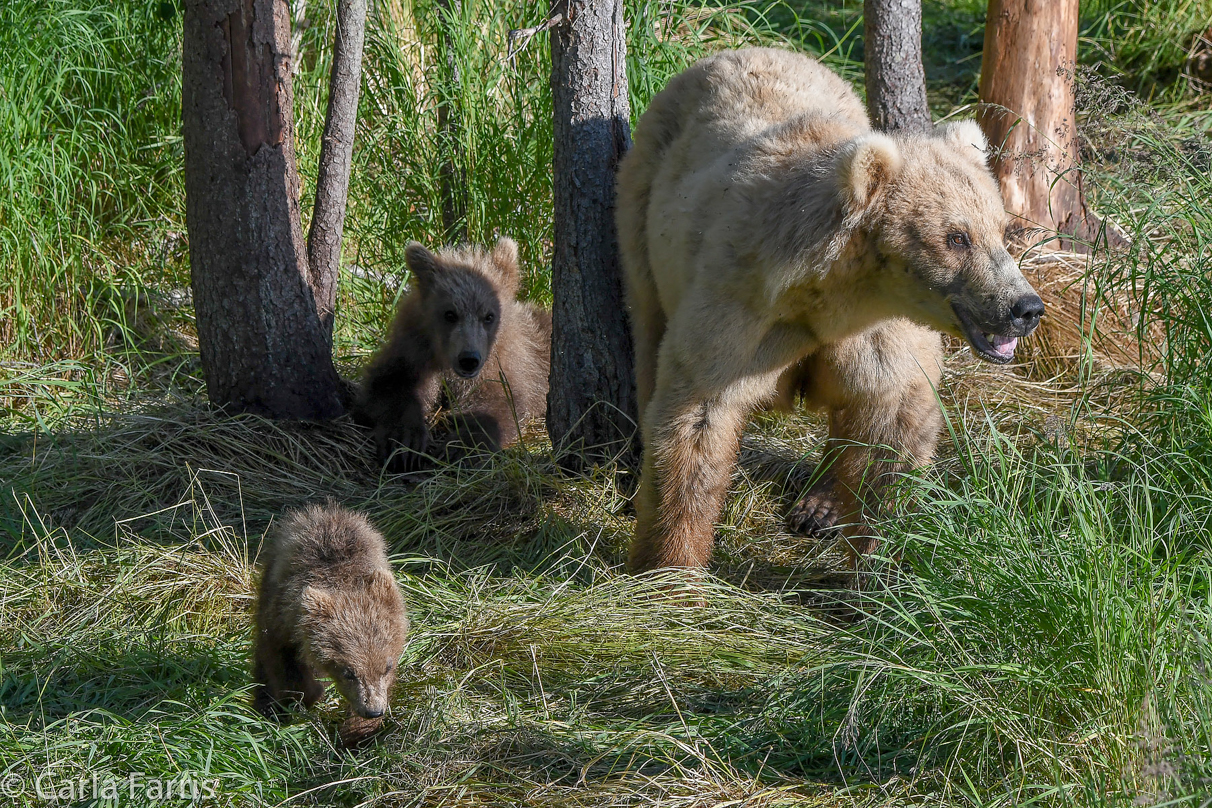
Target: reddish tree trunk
[(1029, 114), (591, 404)]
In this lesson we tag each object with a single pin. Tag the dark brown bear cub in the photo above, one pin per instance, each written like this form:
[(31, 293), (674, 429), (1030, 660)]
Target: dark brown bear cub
[(462, 344), (328, 607)]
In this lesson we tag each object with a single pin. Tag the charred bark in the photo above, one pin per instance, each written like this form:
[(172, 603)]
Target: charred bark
[(892, 65), (591, 407), (264, 347)]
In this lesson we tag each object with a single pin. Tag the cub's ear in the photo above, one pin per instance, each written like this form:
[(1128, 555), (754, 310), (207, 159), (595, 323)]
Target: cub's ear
[(865, 167), (317, 602), (421, 263), (966, 137), (505, 258)]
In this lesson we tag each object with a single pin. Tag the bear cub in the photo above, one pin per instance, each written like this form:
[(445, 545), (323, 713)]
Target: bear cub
[(463, 356), (328, 607)]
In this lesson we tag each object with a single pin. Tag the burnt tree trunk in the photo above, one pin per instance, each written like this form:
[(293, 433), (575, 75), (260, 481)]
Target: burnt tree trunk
[(264, 346), (591, 408), (892, 65), (336, 159), (1028, 113), (450, 130)]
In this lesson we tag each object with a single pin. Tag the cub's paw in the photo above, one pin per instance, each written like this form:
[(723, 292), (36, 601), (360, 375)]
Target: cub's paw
[(357, 732), (817, 513), (403, 448)]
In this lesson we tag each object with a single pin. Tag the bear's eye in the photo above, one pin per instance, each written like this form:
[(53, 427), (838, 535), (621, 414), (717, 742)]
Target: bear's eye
[(349, 674), (958, 240), (451, 317), (489, 317)]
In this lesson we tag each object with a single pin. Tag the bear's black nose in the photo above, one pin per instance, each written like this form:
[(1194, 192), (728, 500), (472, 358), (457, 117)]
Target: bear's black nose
[(469, 362), (372, 714), (1026, 312)]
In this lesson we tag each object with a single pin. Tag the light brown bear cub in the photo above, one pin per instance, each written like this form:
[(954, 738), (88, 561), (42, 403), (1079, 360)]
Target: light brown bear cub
[(328, 607), (461, 344), (772, 241)]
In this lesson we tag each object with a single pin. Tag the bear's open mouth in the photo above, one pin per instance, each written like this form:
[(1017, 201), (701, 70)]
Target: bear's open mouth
[(991, 347)]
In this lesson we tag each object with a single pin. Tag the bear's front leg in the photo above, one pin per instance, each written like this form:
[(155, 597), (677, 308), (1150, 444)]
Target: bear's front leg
[(690, 448)]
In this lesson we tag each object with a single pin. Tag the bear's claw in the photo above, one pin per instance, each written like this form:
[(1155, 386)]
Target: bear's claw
[(817, 513)]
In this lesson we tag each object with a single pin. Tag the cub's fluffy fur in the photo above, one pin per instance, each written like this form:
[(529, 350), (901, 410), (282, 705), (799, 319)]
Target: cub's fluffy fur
[(461, 343), (328, 607)]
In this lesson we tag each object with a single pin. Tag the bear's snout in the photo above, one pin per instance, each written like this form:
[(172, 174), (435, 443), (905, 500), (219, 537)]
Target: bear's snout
[(1026, 312), (468, 363), (372, 712)]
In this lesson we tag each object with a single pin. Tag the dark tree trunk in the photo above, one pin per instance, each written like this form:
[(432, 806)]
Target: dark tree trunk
[(264, 347), (336, 158), (1029, 115), (450, 131), (892, 63), (591, 407)]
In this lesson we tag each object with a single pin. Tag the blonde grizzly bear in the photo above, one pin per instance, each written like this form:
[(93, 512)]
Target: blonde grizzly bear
[(328, 607), (773, 243), (461, 344)]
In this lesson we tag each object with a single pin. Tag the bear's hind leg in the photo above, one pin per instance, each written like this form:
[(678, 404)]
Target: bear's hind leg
[(884, 420)]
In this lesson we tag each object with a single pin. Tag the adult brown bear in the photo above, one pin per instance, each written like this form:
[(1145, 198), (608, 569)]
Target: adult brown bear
[(768, 234)]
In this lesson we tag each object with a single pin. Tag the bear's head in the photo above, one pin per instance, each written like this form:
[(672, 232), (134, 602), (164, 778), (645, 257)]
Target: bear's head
[(462, 292), (355, 634), (935, 212)]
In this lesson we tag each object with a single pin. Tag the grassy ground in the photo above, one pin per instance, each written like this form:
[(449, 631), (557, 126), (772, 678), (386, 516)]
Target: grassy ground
[(1045, 640)]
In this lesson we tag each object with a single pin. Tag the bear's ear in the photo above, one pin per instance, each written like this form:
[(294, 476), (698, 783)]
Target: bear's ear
[(865, 167), (421, 263), (505, 259), (317, 603), (966, 137)]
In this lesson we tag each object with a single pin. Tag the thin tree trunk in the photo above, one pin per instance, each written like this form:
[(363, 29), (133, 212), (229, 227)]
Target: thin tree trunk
[(1029, 115), (264, 348), (892, 62), (591, 405), (336, 158), (453, 183)]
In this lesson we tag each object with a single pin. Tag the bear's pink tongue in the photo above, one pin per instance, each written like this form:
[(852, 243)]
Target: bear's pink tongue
[(1003, 346)]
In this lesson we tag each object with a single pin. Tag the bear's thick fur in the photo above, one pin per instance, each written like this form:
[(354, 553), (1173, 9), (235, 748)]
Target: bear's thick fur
[(773, 243), (462, 343), (328, 606)]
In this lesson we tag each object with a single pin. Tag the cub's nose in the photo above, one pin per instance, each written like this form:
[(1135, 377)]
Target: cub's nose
[(469, 362), (368, 713), (1026, 312)]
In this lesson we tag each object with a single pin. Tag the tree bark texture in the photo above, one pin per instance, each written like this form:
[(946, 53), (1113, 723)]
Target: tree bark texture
[(336, 158), (892, 64), (264, 348), (1029, 115), (450, 131), (591, 406)]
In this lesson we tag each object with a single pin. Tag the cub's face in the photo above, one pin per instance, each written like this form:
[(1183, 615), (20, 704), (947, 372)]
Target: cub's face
[(463, 292), (941, 237), (356, 638), (465, 314)]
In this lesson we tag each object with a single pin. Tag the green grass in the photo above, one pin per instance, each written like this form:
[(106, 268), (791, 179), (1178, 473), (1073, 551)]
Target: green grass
[(1044, 640)]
